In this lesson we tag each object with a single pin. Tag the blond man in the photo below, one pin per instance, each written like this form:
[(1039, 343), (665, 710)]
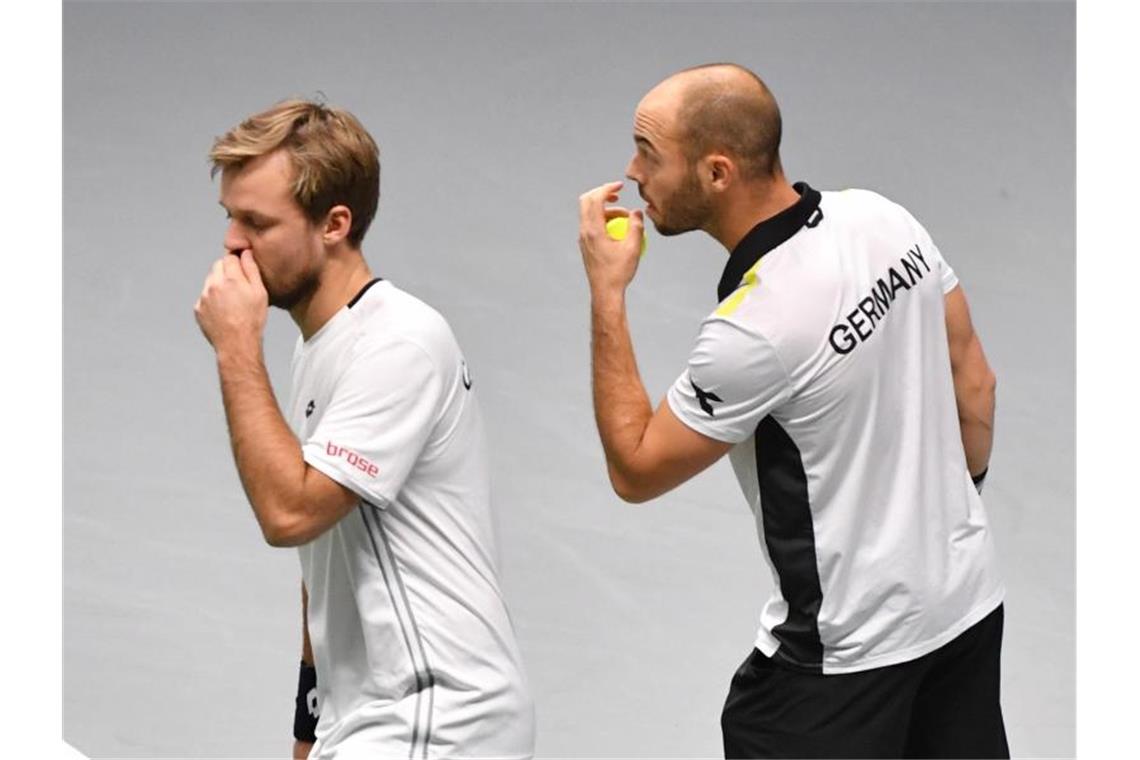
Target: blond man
[(377, 470)]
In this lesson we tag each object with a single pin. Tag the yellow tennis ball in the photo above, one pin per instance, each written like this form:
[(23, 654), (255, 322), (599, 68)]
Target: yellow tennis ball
[(618, 227)]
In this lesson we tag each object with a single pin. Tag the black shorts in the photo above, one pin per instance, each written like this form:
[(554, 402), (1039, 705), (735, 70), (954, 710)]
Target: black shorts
[(944, 704)]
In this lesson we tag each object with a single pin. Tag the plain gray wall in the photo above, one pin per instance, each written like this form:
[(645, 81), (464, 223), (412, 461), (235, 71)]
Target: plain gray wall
[(492, 119)]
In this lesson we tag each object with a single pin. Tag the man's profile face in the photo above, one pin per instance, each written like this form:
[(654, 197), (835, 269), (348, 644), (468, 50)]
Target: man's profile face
[(266, 219), (665, 176)]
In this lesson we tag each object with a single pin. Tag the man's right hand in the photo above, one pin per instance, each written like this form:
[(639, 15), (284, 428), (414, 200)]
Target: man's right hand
[(610, 264), (301, 750)]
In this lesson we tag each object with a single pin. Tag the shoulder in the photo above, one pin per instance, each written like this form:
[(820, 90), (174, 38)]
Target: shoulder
[(857, 201), (396, 315), (736, 343), (858, 210), (395, 319)]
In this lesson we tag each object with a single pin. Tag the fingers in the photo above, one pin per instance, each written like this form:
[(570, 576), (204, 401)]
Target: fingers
[(249, 267), (590, 203), (592, 211), (637, 225), (216, 276), (231, 267), (235, 266), (602, 191)]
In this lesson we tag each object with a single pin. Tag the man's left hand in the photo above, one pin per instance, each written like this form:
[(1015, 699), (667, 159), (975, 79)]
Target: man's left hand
[(234, 303), (610, 264)]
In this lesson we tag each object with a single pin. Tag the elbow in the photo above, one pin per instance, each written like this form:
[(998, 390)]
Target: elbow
[(976, 400), (631, 496), (281, 538), (281, 541), (988, 392), (628, 489), (977, 388), (284, 532)]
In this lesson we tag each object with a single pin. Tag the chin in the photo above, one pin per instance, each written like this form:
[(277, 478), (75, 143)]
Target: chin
[(288, 299), (665, 230)]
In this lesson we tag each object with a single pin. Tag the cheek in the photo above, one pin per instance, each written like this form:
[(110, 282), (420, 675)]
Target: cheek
[(664, 189), (285, 254), (271, 255)]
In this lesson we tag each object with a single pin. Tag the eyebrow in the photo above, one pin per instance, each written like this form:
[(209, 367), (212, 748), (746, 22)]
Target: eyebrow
[(246, 213), (644, 141)]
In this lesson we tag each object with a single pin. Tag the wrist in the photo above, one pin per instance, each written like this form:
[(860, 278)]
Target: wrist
[(238, 350), (607, 298)]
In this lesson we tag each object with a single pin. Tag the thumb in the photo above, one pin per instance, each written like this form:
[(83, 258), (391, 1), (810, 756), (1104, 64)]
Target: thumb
[(249, 267), (636, 227)]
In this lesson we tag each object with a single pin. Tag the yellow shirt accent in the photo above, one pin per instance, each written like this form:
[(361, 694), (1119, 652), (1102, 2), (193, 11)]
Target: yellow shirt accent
[(732, 303)]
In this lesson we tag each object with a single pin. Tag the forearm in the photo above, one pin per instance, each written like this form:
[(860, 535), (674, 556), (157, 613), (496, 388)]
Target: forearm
[(976, 420), (621, 407), (267, 454)]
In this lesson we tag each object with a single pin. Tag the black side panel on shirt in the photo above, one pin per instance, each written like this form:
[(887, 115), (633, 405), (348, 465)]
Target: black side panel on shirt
[(790, 537)]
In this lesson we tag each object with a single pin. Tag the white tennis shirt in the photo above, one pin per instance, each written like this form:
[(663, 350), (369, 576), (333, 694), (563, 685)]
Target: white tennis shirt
[(827, 364), (415, 653)]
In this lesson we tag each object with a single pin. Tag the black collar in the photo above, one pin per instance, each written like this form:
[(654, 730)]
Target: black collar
[(768, 234), (364, 290)]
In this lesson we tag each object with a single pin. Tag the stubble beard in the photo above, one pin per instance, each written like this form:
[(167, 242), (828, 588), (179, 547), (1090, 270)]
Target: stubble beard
[(686, 210), (299, 291)]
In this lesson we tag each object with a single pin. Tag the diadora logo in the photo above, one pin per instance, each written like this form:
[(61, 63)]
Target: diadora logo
[(705, 398), (353, 459), (466, 377), (309, 409)]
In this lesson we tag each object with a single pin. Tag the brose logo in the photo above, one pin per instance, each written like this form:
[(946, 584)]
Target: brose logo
[(353, 459)]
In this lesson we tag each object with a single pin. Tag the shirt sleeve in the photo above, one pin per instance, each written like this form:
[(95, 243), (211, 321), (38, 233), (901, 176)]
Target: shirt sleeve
[(946, 273), (734, 380), (949, 279), (382, 411)]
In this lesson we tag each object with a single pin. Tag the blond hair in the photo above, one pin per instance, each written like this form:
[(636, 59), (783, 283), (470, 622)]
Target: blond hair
[(335, 160)]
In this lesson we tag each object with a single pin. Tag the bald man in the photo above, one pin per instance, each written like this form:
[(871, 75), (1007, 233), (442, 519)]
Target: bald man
[(840, 372)]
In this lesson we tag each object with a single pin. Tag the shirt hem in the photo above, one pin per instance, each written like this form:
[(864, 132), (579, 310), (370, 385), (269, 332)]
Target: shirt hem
[(976, 615)]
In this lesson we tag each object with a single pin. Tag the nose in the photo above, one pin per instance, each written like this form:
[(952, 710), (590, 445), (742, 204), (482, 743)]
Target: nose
[(633, 171), (236, 239)]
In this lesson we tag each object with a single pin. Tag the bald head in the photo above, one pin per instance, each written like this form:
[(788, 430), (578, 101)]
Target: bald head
[(723, 107)]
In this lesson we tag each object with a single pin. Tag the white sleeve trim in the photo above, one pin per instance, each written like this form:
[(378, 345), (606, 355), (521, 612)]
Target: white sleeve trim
[(697, 424), (315, 458)]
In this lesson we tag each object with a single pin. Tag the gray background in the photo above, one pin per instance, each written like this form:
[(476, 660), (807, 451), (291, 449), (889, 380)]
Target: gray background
[(181, 627)]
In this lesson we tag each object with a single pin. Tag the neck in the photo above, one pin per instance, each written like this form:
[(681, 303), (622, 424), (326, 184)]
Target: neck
[(750, 208), (344, 274)]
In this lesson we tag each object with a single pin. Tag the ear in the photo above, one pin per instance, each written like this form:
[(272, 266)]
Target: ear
[(338, 222), (720, 171)]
